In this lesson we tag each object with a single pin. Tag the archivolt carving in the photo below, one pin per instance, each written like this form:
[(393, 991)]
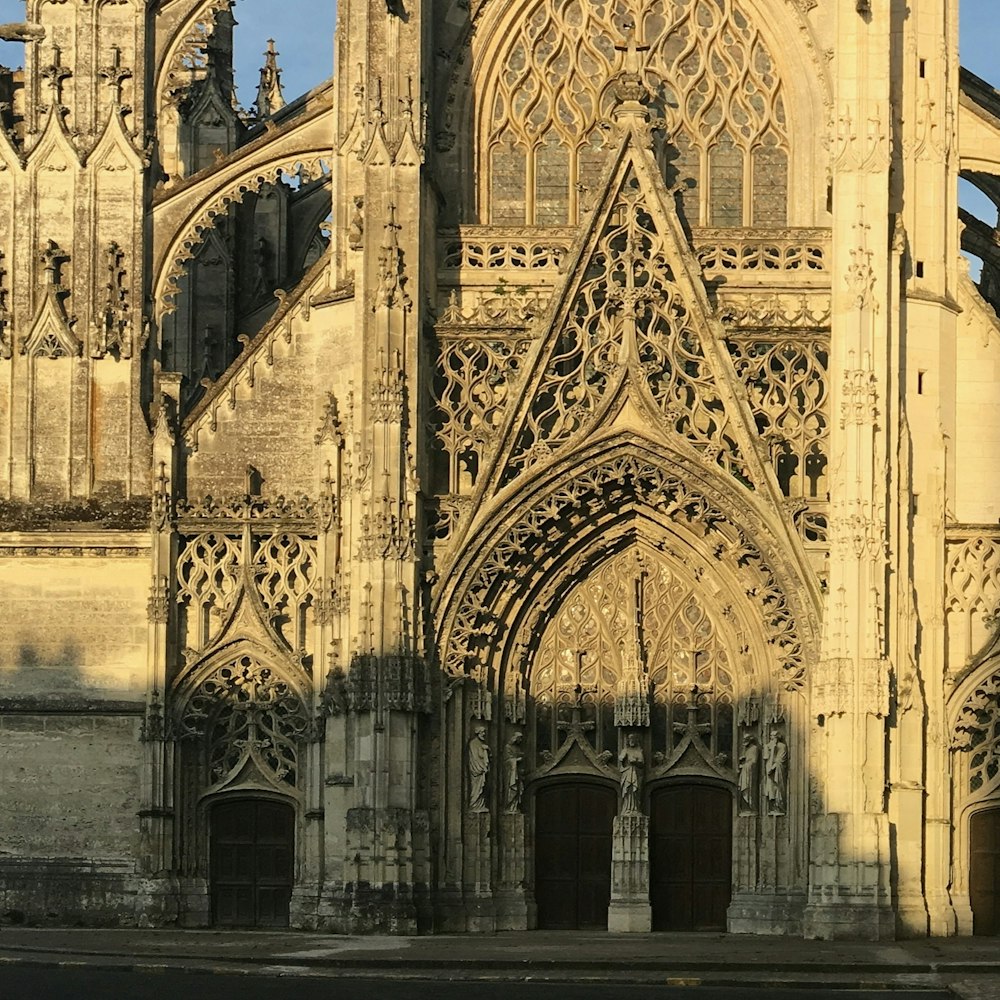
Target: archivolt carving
[(476, 625), (715, 87)]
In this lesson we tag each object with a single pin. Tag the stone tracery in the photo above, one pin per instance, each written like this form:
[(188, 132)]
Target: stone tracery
[(584, 654), (713, 82), (248, 715), (475, 625), (628, 312)]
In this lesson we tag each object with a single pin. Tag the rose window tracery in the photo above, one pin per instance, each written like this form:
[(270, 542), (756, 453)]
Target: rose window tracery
[(585, 652), (723, 136)]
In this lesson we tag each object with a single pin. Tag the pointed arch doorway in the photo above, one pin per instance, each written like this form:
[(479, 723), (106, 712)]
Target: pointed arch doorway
[(573, 823), (252, 851), (984, 871), (691, 856)]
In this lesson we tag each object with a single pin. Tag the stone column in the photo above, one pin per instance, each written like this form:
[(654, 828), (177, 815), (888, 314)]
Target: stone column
[(630, 909)]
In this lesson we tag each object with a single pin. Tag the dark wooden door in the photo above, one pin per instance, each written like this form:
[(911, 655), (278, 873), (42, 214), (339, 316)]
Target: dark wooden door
[(573, 825), (252, 849), (691, 857), (984, 872)]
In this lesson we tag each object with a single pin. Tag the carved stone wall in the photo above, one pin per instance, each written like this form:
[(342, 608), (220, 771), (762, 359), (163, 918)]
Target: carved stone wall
[(564, 391)]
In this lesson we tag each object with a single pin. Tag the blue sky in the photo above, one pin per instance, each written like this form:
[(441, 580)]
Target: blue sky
[(303, 35), (303, 32)]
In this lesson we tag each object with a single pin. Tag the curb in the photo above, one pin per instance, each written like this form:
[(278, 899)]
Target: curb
[(623, 976), (528, 966)]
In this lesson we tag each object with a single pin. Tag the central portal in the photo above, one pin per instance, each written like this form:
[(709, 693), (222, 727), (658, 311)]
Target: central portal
[(573, 824)]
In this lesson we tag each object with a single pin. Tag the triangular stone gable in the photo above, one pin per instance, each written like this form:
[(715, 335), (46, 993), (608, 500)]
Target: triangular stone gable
[(50, 335), (632, 338)]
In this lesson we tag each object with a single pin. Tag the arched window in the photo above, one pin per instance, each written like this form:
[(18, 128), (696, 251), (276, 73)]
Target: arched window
[(722, 131)]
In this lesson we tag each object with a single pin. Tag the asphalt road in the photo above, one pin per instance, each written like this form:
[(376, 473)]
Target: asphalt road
[(45, 983)]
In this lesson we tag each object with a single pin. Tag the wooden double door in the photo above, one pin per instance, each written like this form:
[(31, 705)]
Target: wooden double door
[(252, 854), (690, 856), (984, 871)]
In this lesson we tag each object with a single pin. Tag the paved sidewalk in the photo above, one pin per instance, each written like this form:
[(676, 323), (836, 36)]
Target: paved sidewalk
[(970, 966)]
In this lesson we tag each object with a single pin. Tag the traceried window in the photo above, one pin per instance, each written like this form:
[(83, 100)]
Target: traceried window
[(722, 140), (633, 599)]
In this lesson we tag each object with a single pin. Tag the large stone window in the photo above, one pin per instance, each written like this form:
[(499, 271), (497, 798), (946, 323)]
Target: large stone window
[(722, 136)]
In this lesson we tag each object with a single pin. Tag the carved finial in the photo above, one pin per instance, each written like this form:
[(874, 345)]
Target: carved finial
[(406, 102), (629, 87), (52, 256), (270, 97), (378, 111), (55, 73), (115, 74)]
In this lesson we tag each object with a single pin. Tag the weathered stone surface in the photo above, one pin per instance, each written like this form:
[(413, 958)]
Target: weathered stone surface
[(576, 398)]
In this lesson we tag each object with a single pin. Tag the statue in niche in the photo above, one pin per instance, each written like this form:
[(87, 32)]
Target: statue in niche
[(356, 227), (749, 762), (775, 774), (631, 763), (261, 260), (513, 785), (479, 769)]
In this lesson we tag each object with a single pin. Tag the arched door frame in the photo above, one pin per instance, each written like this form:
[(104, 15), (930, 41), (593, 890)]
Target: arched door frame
[(246, 794), (565, 779)]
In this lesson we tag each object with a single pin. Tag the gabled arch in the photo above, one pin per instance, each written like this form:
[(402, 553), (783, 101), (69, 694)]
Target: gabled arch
[(525, 557)]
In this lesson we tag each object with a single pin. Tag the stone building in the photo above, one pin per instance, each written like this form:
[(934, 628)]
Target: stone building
[(544, 476)]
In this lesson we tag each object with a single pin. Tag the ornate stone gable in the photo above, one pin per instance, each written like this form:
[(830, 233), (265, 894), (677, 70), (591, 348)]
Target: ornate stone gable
[(632, 338)]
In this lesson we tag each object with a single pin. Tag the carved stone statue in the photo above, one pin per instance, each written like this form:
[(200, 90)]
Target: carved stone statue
[(749, 762), (479, 770), (775, 773), (356, 228), (513, 785), (631, 764)]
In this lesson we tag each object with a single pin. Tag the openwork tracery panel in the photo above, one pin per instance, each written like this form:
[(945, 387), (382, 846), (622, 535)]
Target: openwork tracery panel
[(627, 310), (247, 715), (977, 733), (481, 353), (714, 86), (788, 390), (634, 598), (213, 565), (973, 593)]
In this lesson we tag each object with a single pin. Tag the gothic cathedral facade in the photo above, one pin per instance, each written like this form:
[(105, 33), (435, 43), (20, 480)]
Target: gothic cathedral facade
[(538, 478)]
